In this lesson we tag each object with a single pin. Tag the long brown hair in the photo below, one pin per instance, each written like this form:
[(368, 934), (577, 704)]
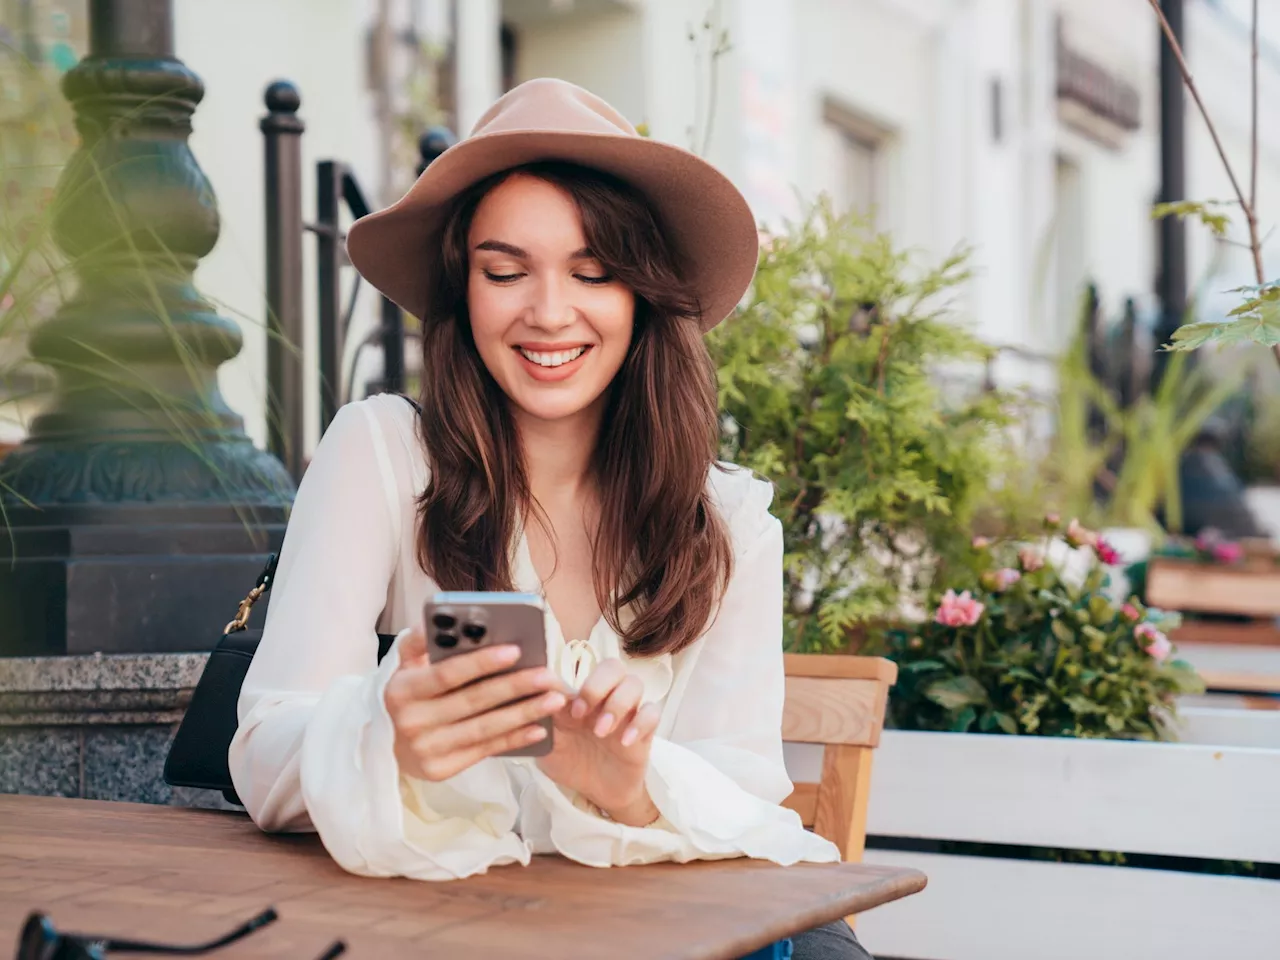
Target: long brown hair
[(661, 547)]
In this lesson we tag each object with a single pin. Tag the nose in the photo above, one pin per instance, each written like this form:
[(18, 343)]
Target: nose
[(552, 308)]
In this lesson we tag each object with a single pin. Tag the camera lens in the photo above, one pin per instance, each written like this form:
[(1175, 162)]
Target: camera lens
[(442, 621), (446, 640), (474, 631)]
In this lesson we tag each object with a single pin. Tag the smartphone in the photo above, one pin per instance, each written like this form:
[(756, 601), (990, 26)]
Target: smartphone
[(461, 622)]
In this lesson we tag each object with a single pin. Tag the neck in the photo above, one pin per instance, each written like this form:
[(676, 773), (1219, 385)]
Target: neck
[(557, 453)]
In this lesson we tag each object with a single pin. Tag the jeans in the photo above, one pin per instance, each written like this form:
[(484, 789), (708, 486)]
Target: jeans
[(834, 941)]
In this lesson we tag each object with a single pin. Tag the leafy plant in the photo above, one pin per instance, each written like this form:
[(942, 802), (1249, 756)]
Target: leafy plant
[(1257, 319), (1119, 466), (832, 385), (1023, 649)]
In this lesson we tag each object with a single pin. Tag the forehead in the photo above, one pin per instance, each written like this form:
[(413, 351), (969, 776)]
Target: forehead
[(529, 213)]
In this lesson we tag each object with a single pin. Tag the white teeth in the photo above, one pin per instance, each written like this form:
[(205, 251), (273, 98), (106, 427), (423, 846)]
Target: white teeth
[(552, 359)]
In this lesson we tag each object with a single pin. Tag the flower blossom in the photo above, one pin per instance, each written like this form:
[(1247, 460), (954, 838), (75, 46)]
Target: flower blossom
[(1228, 552), (958, 611), (1030, 559), (1106, 552), (1153, 641), (1130, 613), (1079, 535)]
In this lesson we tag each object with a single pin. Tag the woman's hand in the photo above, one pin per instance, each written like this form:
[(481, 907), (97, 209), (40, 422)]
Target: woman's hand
[(602, 745), (442, 729)]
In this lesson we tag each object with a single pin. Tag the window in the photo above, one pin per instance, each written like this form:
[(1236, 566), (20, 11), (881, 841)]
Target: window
[(850, 158)]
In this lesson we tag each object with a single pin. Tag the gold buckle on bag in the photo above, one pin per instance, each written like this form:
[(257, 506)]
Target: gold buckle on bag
[(246, 605)]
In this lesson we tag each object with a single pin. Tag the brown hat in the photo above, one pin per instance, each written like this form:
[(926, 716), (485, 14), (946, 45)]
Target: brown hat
[(707, 219)]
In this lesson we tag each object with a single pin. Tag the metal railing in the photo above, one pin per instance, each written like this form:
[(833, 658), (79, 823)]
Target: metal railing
[(336, 188)]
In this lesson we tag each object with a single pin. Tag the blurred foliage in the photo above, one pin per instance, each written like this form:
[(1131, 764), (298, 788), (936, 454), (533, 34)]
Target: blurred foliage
[(1022, 650), (830, 387)]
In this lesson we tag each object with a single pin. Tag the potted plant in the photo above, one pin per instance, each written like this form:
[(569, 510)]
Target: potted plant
[(847, 381)]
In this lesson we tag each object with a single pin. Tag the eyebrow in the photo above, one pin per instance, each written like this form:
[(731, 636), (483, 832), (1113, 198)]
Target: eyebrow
[(511, 250)]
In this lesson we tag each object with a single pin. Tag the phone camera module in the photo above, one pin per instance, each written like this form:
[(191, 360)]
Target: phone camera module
[(446, 641), (474, 632), (443, 621)]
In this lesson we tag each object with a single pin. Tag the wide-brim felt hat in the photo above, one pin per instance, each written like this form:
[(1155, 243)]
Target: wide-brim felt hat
[(705, 217)]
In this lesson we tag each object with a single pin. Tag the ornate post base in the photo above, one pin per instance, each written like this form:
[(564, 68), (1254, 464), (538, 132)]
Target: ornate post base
[(138, 512)]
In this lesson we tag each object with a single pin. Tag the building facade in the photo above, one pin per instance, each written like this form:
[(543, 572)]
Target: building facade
[(1027, 130)]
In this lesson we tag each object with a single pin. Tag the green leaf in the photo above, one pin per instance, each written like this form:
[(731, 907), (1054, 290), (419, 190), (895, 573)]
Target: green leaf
[(1063, 632), (955, 693), (918, 666), (964, 721), (1082, 706), (1006, 722), (1257, 320), (1200, 209)]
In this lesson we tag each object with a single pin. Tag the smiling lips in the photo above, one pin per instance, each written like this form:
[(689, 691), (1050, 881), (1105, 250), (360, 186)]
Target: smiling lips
[(549, 365)]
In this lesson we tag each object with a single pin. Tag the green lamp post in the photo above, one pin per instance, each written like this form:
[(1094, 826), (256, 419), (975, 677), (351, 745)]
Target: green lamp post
[(139, 510)]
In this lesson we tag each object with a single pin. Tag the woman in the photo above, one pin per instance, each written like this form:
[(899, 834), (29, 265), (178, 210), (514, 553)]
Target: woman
[(565, 269)]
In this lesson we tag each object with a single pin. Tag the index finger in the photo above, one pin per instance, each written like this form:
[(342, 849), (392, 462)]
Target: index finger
[(455, 672)]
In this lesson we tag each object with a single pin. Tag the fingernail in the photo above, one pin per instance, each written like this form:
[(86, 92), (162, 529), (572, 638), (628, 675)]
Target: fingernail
[(604, 725), (579, 709), (553, 701), (536, 734), (507, 653), (630, 736), (544, 677)]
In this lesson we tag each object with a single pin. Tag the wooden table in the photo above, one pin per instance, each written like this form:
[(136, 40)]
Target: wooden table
[(161, 873)]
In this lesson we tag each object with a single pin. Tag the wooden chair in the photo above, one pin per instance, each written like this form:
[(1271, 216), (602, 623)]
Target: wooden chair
[(839, 702)]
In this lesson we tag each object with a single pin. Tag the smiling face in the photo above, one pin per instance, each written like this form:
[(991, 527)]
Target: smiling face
[(551, 325)]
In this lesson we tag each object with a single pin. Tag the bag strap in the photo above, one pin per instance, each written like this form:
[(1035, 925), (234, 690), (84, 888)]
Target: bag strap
[(268, 575)]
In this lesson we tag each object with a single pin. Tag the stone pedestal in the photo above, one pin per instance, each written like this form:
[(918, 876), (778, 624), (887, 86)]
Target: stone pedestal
[(96, 727)]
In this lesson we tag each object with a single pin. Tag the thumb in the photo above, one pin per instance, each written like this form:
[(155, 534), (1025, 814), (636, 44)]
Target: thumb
[(412, 646)]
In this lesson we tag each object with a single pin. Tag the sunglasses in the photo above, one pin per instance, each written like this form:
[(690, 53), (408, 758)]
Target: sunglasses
[(41, 940)]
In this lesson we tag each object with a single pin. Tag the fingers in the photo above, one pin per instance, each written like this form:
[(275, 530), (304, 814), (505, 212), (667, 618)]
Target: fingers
[(455, 737), (642, 726), (618, 706), (599, 685), (425, 681), (443, 767), (494, 692)]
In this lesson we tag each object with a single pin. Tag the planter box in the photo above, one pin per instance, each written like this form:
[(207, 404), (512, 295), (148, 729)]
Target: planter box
[(1210, 588), (1203, 799)]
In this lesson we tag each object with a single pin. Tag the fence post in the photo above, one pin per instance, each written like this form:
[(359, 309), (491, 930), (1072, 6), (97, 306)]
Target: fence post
[(282, 134), (330, 258)]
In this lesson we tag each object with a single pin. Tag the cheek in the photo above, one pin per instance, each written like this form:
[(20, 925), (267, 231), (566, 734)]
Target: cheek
[(615, 322)]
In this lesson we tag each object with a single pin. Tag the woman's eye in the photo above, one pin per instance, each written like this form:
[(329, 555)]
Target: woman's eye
[(502, 277), (594, 280)]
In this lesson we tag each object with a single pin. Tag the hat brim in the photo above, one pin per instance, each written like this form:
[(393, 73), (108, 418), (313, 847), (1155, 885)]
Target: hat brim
[(709, 223)]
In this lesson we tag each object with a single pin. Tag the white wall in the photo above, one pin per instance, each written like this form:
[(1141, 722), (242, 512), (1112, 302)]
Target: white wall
[(238, 47)]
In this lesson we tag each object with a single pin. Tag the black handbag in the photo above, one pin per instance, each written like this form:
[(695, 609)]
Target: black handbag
[(198, 755)]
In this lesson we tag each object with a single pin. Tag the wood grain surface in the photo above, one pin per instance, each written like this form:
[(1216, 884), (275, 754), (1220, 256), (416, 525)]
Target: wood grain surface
[(162, 873)]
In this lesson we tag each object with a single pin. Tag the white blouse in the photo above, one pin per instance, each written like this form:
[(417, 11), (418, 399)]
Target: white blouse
[(314, 748)]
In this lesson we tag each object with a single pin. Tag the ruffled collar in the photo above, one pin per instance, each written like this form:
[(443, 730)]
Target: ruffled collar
[(574, 658)]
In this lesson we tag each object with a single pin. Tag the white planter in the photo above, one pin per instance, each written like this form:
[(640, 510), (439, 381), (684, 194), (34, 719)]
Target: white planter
[(1202, 799)]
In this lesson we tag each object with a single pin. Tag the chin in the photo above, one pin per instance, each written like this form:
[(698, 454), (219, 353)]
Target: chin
[(541, 406)]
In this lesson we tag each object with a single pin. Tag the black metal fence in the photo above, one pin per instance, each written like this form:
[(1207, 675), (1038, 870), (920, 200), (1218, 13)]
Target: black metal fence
[(337, 192)]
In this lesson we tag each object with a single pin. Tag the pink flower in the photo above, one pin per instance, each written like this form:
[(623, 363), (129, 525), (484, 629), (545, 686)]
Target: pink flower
[(1156, 643), (1228, 552), (1209, 538), (1080, 536), (1130, 613), (1006, 578), (1106, 552), (1031, 559), (981, 543), (1052, 520), (958, 611)]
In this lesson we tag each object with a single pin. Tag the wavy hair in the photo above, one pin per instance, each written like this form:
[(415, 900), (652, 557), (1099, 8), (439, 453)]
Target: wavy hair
[(661, 547)]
